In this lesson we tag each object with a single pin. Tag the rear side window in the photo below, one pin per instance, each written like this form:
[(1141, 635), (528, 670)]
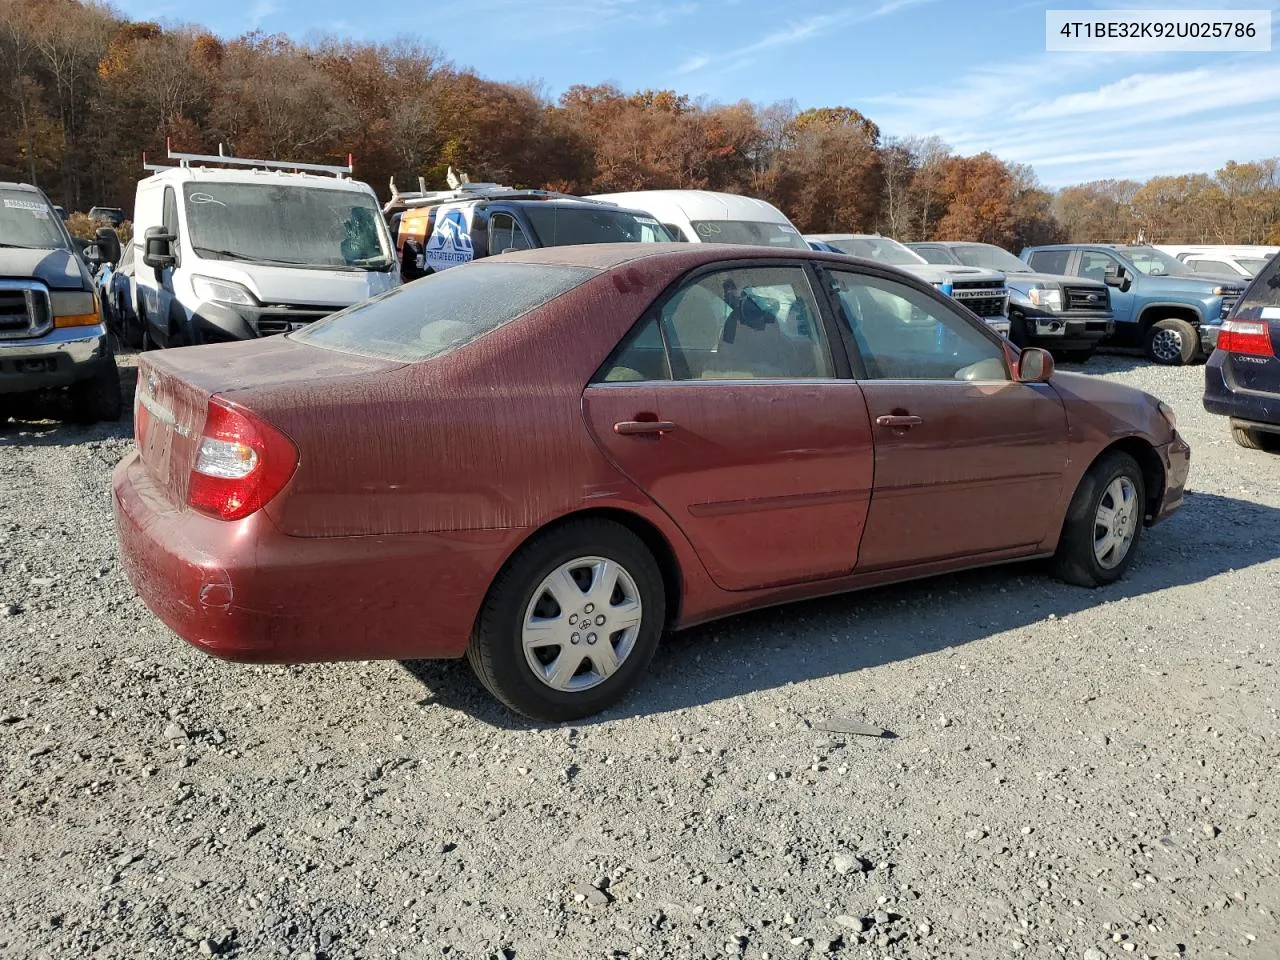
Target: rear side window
[(1051, 261), (447, 310), (1262, 299)]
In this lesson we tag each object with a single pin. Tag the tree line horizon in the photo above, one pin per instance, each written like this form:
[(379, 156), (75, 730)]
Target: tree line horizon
[(85, 92)]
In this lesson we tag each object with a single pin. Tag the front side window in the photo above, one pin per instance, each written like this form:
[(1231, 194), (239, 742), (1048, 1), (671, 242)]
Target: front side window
[(286, 224), (26, 220), (1050, 261), (904, 334), (754, 323), (505, 234), (1218, 268), (1094, 265), (752, 232), (444, 311), (1250, 265)]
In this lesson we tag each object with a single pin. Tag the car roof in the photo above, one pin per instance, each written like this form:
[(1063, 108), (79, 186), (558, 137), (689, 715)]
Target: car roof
[(846, 236), (255, 175), (24, 187)]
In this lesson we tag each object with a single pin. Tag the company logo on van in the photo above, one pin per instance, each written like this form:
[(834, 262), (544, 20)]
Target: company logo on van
[(450, 241)]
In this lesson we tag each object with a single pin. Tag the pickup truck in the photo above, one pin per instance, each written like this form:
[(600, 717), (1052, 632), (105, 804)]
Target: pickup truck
[(51, 329), (1159, 304), (1068, 316)]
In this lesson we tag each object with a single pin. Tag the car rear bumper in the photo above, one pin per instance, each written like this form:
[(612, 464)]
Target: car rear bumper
[(1176, 458), (60, 358), (1229, 399), (245, 591)]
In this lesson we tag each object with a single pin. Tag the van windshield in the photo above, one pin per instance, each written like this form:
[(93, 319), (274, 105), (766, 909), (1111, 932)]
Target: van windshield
[(287, 225), (752, 232), (26, 220), (558, 226)]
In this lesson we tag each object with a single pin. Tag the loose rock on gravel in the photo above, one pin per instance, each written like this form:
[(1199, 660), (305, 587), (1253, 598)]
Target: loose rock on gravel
[(1103, 784)]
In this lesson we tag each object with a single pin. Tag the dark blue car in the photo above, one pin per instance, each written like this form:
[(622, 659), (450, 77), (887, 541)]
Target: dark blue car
[(1242, 377)]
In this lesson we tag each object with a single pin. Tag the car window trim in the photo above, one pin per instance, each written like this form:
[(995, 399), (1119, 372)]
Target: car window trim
[(851, 345), (839, 358)]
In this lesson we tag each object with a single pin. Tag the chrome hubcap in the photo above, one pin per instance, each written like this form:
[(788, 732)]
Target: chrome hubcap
[(1167, 344), (1115, 523), (581, 624)]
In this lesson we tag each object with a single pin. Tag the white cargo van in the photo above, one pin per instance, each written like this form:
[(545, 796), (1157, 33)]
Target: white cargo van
[(1222, 260), (701, 216), (263, 248)]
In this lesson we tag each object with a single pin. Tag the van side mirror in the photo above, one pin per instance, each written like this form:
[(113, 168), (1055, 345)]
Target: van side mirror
[(158, 249), (108, 244), (1034, 365)]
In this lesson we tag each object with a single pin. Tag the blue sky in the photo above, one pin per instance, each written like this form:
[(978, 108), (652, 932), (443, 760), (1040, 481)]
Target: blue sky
[(976, 74)]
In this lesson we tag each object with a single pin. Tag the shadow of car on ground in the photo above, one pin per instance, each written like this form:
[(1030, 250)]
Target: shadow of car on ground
[(809, 640)]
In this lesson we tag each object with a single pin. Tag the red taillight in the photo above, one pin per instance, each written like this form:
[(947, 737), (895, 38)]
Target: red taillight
[(242, 462), (1252, 337)]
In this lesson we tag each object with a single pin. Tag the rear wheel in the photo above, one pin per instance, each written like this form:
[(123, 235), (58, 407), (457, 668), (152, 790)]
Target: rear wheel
[(1252, 438), (98, 398), (1172, 342), (571, 623), (1104, 523)]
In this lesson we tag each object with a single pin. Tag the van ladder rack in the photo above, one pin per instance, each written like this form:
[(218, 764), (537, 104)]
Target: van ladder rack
[(187, 159)]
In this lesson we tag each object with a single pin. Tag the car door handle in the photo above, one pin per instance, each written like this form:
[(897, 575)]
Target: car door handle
[(632, 428), (898, 421)]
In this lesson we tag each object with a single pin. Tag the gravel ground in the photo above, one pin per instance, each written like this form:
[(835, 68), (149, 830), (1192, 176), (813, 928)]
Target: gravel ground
[(1074, 773)]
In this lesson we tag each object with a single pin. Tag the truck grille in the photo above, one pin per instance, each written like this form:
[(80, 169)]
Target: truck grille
[(24, 310), (1229, 302), (1086, 298), (986, 298)]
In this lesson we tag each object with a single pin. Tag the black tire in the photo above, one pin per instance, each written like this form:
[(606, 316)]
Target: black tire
[(1253, 439), (1076, 561), (496, 651), (130, 328), (98, 398), (1172, 342), (1078, 355)]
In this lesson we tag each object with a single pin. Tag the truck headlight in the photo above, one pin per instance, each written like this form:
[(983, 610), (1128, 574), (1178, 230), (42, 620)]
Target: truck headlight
[(73, 308), (222, 291), (1047, 298)]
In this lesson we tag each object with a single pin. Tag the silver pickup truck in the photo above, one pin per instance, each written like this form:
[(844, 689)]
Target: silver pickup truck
[(51, 329)]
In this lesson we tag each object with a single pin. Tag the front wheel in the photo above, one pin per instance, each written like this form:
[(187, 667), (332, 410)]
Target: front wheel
[(571, 623), (1172, 342), (1104, 523)]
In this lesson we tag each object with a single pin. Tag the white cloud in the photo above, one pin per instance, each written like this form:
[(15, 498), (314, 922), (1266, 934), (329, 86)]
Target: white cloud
[(260, 11)]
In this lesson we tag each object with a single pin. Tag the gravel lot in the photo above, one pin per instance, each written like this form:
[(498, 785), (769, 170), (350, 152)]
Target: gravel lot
[(1074, 773)]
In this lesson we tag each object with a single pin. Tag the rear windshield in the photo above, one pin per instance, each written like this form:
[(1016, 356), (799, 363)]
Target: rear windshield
[(566, 226), (1263, 295), (444, 311), (26, 220)]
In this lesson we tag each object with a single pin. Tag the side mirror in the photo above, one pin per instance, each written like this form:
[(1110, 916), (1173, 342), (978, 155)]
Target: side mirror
[(92, 254), (1034, 365), (108, 244), (158, 249)]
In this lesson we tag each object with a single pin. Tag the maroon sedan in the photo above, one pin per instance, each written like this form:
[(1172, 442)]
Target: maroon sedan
[(547, 459)]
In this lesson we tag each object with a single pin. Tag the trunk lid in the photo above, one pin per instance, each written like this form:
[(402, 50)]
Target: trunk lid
[(174, 386)]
